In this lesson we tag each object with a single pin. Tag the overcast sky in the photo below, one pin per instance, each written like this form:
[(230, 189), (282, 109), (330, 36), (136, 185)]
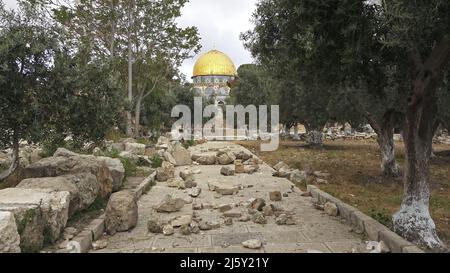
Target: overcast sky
[(219, 23)]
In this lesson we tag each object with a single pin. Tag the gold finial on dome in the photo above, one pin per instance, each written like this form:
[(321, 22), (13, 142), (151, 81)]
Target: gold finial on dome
[(214, 63)]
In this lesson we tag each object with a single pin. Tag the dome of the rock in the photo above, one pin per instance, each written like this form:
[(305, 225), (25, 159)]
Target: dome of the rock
[(214, 63)]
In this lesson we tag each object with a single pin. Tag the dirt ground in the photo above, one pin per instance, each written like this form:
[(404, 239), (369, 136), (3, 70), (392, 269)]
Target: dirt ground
[(355, 176)]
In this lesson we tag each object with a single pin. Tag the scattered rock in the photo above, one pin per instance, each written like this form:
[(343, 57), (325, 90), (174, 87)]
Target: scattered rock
[(227, 171), (280, 165), (177, 183), (258, 204), (228, 221), (9, 237), (238, 166), (181, 155), (194, 228), (321, 181), (275, 196), (168, 230), (197, 206), (242, 155), (377, 247), (181, 220), (168, 157), (223, 189), (297, 177), (135, 148), (225, 158), (205, 158), (284, 219), (267, 210), (252, 244), (165, 172), (259, 218), (169, 204), (331, 209), (225, 207), (194, 192), (244, 218), (186, 229), (232, 214), (99, 244), (121, 213), (154, 224)]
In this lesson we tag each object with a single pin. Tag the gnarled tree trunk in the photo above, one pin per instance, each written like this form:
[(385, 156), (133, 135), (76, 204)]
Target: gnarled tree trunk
[(314, 136), (14, 163), (385, 141)]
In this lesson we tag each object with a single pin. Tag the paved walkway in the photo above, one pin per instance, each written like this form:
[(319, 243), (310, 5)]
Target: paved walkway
[(314, 231)]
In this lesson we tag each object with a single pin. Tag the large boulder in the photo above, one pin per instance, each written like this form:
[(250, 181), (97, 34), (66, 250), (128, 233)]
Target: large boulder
[(135, 148), (169, 204), (9, 237), (207, 158), (181, 155), (121, 212), (83, 188), (66, 162), (225, 158), (41, 215), (116, 169), (165, 172)]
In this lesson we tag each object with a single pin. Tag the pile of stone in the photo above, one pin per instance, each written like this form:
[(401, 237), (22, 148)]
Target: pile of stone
[(52, 190), (300, 177)]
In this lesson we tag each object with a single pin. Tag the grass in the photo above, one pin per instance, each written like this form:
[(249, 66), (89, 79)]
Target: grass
[(355, 176)]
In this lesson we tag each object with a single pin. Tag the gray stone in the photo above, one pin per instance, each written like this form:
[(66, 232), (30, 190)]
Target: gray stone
[(280, 165), (65, 162), (121, 212), (181, 220), (227, 171), (39, 212), (168, 230), (181, 156), (165, 172), (135, 148), (207, 158), (9, 237), (225, 158), (330, 209), (275, 196), (252, 244), (259, 218), (116, 169), (297, 177), (169, 204), (168, 157), (194, 192), (232, 214), (258, 204)]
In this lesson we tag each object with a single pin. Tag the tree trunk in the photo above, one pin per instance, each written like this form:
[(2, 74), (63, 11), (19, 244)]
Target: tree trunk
[(314, 136), (389, 166), (413, 220), (14, 163), (296, 136), (137, 115), (130, 69)]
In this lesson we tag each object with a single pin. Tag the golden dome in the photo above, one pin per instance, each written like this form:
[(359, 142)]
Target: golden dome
[(214, 63)]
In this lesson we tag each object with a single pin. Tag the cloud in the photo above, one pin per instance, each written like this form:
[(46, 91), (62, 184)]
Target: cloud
[(220, 23)]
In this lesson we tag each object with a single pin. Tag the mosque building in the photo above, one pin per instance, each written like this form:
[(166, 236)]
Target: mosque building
[(213, 75)]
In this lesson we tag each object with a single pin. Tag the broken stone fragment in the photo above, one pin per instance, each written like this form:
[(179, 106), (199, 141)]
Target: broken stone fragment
[(99, 244), (225, 158), (168, 230), (259, 218), (169, 204), (165, 172), (275, 196), (121, 213), (194, 192), (252, 244), (239, 167), (154, 224), (185, 230), (258, 204), (331, 209), (267, 210), (242, 155), (224, 207), (232, 214), (181, 220), (177, 183), (197, 206), (244, 218), (280, 165), (227, 171), (223, 189), (228, 221)]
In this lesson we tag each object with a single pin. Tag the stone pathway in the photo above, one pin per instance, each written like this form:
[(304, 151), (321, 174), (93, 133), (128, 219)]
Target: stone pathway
[(314, 230)]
